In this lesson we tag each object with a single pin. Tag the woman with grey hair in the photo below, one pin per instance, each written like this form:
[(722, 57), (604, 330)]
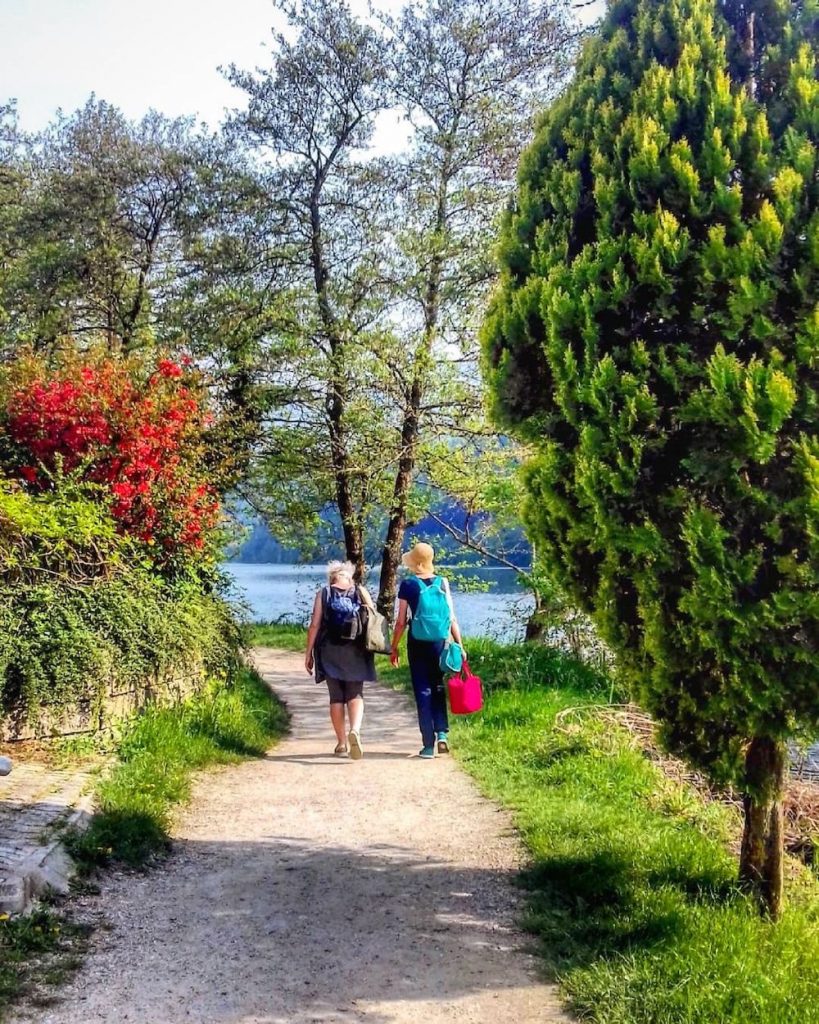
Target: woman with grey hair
[(335, 650)]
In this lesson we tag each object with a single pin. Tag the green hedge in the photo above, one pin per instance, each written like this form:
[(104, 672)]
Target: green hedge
[(63, 646)]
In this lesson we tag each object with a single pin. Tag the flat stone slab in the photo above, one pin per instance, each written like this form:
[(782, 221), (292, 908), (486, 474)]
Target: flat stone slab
[(36, 802)]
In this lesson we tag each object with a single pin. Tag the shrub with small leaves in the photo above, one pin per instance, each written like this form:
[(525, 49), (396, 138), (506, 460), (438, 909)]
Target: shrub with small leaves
[(135, 429), (656, 337)]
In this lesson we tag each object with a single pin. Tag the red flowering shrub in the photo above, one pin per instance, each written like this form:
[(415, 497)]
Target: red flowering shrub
[(137, 432)]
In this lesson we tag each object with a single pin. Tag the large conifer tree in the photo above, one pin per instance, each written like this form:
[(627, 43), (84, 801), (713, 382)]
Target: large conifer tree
[(656, 336)]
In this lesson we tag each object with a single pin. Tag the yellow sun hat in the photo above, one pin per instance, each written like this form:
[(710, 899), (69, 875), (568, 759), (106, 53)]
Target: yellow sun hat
[(419, 559)]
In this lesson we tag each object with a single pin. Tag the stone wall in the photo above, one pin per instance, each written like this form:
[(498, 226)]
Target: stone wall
[(109, 705)]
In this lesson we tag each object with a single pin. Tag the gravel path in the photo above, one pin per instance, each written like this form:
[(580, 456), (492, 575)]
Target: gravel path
[(309, 890)]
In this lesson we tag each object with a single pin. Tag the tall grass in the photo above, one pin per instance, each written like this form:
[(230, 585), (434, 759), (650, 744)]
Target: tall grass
[(157, 755), (631, 887)]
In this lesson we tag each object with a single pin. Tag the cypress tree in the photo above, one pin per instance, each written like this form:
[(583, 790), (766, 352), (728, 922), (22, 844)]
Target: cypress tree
[(655, 337)]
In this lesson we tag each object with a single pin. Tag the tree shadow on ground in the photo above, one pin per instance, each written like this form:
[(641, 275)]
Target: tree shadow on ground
[(286, 930), (584, 909), (321, 760)]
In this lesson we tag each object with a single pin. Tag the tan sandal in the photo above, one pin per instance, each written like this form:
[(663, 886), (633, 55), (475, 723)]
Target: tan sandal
[(340, 751)]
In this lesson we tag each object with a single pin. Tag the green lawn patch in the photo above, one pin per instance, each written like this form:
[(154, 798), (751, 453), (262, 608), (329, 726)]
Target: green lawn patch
[(289, 637), (632, 885), (157, 754)]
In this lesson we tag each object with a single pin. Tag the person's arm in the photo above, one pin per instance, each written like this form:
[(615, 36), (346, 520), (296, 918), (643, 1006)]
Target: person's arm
[(453, 621), (398, 630), (312, 633)]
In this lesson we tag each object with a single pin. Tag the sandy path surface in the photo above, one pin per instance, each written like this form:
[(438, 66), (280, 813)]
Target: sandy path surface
[(308, 890)]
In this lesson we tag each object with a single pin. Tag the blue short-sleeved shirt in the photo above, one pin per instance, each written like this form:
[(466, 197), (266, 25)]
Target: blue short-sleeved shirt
[(410, 590)]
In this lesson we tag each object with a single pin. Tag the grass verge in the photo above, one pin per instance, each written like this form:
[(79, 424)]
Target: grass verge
[(157, 754), (632, 885), (289, 637)]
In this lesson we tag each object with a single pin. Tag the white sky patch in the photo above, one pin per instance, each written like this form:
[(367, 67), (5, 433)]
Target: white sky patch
[(161, 54)]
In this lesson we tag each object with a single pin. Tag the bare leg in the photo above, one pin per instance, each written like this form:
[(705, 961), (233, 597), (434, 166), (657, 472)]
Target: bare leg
[(355, 711), (337, 718)]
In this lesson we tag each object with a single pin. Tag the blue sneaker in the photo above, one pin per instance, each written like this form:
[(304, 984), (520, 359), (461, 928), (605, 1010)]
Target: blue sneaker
[(443, 743), (427, 752)]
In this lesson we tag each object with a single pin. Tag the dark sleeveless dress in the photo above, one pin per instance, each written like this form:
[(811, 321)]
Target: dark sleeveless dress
[(348, 661)]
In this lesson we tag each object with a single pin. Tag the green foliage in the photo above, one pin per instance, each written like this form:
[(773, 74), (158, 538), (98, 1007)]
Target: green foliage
[(67, 532), (157, 754), (63, 646), (383, 263), (92, 236), (138, 232), (654, 337)]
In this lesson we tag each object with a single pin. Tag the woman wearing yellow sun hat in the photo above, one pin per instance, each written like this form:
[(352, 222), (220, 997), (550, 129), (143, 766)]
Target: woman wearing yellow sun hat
[(425, 599)]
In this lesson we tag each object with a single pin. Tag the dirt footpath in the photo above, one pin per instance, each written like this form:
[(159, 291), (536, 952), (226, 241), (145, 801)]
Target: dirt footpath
[(307, 890)]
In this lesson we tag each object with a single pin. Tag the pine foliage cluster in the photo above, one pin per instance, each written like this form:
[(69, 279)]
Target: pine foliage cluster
[(655, 335)]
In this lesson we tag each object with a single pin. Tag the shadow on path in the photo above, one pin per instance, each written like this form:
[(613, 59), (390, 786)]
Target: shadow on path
[(306, 889)]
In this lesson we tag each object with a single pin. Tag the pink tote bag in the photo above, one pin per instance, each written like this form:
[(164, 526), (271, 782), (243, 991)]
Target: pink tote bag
[(465, 693)]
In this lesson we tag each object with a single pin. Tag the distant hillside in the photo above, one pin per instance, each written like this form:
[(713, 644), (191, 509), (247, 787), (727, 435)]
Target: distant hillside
[(262, 547)]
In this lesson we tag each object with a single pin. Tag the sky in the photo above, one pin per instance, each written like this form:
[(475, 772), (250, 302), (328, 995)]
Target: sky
[(136, 54)]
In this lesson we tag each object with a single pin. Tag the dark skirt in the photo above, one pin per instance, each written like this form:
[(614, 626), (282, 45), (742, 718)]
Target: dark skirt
[(348, 661)]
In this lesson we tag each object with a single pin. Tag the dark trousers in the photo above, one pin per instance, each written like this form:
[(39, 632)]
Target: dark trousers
[(428, 687)]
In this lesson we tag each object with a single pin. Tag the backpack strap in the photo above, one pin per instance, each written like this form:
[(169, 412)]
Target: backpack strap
[(448, 593)]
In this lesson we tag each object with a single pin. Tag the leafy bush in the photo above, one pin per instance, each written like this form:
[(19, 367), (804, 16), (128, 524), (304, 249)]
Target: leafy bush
[(107, 535), (63, 647), (134, 428), (66, 532)]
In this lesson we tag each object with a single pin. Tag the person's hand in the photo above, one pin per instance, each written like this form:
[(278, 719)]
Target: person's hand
[(394, 657), (309, 661)]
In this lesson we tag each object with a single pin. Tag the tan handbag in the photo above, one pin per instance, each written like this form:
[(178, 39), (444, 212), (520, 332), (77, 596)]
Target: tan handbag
[(375, 627)]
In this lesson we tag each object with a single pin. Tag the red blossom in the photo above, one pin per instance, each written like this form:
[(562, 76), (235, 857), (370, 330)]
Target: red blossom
[(140, 441), (169, 369)]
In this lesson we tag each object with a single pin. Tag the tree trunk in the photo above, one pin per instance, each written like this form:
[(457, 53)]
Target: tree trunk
[(336, 397), (397, 523), (536, 623), (353, 532), (350, 519), (761, 859), (410, 428)]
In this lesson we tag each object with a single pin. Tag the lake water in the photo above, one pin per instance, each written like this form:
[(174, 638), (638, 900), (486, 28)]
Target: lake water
[(285, 593)]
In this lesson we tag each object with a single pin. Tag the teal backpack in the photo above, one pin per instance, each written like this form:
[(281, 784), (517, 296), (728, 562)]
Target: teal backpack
[(432, 617)]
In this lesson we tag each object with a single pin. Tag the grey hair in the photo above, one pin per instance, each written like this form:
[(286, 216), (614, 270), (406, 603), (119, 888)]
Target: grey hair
[(335, 569)]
